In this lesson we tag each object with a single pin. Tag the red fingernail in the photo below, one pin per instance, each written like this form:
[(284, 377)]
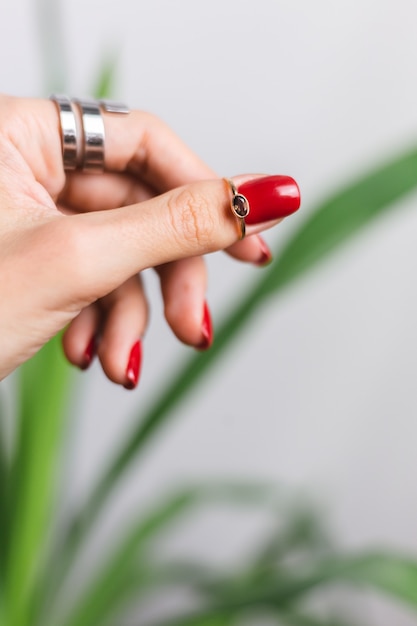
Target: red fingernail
[(270, 198), (206, 330), (133, 366), (89, 353), (266, 254)]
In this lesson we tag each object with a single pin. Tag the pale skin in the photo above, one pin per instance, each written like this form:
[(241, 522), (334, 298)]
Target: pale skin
[(72, 245)]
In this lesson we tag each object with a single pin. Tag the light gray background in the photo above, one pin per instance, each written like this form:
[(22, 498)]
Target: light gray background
[(319, 392)]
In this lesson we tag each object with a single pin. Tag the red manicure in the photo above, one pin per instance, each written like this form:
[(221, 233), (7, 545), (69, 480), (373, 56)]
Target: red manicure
[(89, 353), (206, 330), (266, 254), (133, 366), (270, 198)]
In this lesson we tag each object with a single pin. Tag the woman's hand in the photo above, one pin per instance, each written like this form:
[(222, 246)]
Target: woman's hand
[(72, 245)]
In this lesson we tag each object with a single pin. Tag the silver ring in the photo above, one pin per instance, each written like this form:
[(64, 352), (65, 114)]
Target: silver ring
[(93, 130), (93, 134), (111, 106), (89, 154), (240, 207), (69, 134)]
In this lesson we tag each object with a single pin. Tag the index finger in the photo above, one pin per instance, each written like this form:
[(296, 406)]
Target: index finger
[(138, 143), (144, 145)]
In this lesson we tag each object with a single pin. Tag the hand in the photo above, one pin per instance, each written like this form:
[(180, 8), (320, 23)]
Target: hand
[(72, 245)]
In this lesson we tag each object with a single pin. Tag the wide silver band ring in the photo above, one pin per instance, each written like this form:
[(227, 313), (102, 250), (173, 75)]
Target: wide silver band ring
[(239, 206), (88, 154)]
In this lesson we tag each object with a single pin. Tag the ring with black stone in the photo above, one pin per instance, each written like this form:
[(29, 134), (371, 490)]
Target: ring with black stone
[(240, 207)]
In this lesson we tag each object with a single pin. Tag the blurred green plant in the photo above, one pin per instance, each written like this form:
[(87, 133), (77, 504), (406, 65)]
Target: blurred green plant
[(41, 553)]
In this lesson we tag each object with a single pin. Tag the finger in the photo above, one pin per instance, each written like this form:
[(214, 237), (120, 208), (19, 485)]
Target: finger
[(143, 144), (80, 338), (32, 127), (148, 158), (252, 249), (103, 249), (101, 192), (139, 143), (106, 191), (125, 320), (183, 286)]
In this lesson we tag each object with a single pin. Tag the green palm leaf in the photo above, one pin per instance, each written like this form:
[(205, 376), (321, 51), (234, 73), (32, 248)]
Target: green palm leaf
[(44, 396), (111, 585), (390, 574), (4, 491), (106, 77), (295, 618), (105, 594), (51, 38), (340, 217)]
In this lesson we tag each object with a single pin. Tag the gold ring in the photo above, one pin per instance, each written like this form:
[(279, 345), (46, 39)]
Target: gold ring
[(240, 207)]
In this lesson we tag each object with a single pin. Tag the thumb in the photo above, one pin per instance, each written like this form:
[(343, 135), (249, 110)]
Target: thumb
[(105, 248)]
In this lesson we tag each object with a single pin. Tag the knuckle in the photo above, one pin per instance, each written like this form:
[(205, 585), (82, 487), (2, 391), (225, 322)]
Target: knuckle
[(150, 118), (192, 217), (148, 123)]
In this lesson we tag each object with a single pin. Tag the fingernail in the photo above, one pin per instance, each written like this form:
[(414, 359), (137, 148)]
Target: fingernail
[(270, 198), (133, 366), (89, 353), (206, 330), (265, 255)]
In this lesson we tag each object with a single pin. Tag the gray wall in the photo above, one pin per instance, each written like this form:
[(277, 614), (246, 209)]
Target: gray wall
[(318, 90)]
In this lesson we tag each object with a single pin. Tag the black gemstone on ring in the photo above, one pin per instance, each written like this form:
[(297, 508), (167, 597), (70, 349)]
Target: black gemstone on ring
[(240, 206)]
